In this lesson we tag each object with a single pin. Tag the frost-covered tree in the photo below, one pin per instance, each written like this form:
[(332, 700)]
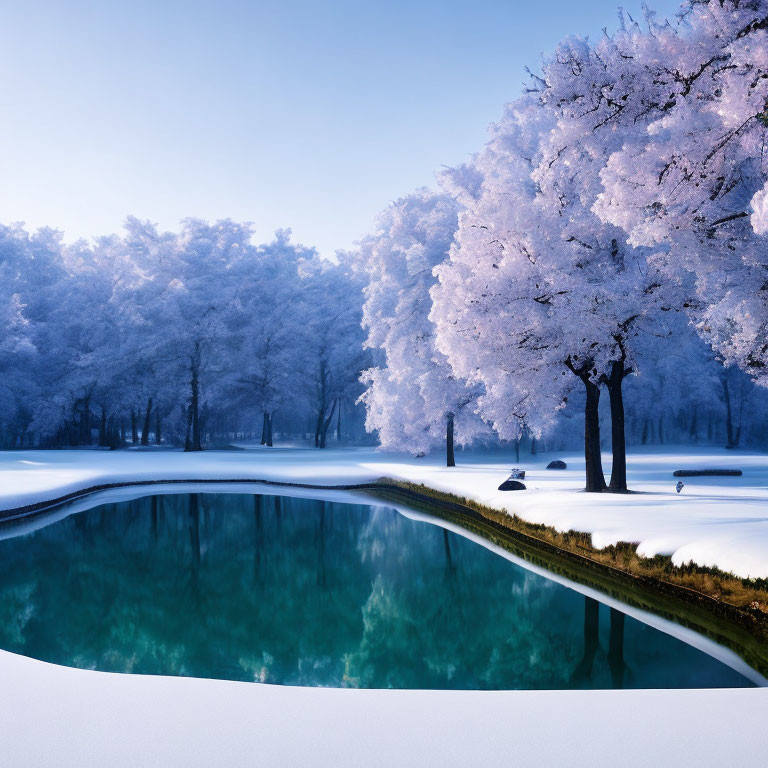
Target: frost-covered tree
[(19, 356), (692, 185), (332, 340), (537, 287), (414, 400), (269, 324)]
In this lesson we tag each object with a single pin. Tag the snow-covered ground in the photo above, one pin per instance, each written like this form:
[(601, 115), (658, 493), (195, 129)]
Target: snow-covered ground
[(719, 521), (56, 716)]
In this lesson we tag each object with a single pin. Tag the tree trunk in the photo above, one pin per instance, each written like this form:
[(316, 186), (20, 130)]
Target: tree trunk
[(694, 428), (593, 459), (103, 427), (450, 459), (269, 430), (86, 438), (145, 428), (264, 429), (338, 424), (737, 437), (193, 444), (134, 429), (187, 438), (614, 382), (325, 424), (517, 449), (158, 427), (113, 433)]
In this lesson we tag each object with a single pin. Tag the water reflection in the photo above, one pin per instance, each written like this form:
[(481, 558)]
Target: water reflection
[(308, 592)]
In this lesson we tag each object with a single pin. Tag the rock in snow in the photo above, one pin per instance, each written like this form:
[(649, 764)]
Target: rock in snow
[(512, 485)]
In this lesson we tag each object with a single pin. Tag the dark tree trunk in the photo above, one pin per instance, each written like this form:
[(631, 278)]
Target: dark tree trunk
[(450, 459), (533, 446), (187, 438), (113, 434), (269, 430), (661, 430), (134, 428), (158, 427), (86, 438), (145, 428), (193, 442), (103, 427), (264, 422), (728, 413), (338, 424), (323, 424), (614, 383), (694, 428), (592, 456), (517, 449)]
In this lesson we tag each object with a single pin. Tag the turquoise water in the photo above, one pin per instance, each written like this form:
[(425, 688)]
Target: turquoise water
[(305, 592)]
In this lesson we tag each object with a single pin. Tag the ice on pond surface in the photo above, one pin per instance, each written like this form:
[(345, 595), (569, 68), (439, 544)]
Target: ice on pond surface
[(305, 592)]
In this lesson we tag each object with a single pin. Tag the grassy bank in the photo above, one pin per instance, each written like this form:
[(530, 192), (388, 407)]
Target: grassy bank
[(730, 610)]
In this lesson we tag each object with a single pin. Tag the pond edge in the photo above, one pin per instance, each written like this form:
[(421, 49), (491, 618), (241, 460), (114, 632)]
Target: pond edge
[(616, 571)]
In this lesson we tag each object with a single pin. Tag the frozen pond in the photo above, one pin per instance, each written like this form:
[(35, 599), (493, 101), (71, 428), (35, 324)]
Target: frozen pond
[(298, 591)]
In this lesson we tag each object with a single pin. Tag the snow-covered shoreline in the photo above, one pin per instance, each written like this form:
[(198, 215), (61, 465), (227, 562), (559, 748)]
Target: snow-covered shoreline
[(715, 521), (51, 715)]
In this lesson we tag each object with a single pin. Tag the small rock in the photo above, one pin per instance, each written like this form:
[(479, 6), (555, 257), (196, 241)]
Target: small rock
[(556, 464), (680, 485), (511, 485)]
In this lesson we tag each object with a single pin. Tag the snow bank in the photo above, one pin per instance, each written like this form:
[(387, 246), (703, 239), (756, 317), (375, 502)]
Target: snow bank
[(718, 521), (57, 716)]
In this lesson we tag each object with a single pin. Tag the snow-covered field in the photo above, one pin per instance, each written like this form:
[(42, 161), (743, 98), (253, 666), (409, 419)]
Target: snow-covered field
[(719, 521)]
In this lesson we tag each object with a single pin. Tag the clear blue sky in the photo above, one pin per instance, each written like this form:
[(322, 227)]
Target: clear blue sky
[(311, 115)]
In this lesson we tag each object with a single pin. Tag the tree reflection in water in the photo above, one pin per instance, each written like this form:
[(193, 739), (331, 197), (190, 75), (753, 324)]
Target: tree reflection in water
[(308, 592)]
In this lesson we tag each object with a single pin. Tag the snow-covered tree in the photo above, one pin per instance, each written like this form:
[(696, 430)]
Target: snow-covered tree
[(692, 185), (414, 400), (268, 324), (332, 341), (537, 286)]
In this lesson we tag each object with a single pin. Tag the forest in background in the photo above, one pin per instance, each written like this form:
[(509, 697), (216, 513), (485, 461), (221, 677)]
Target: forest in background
[(610, 238)]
